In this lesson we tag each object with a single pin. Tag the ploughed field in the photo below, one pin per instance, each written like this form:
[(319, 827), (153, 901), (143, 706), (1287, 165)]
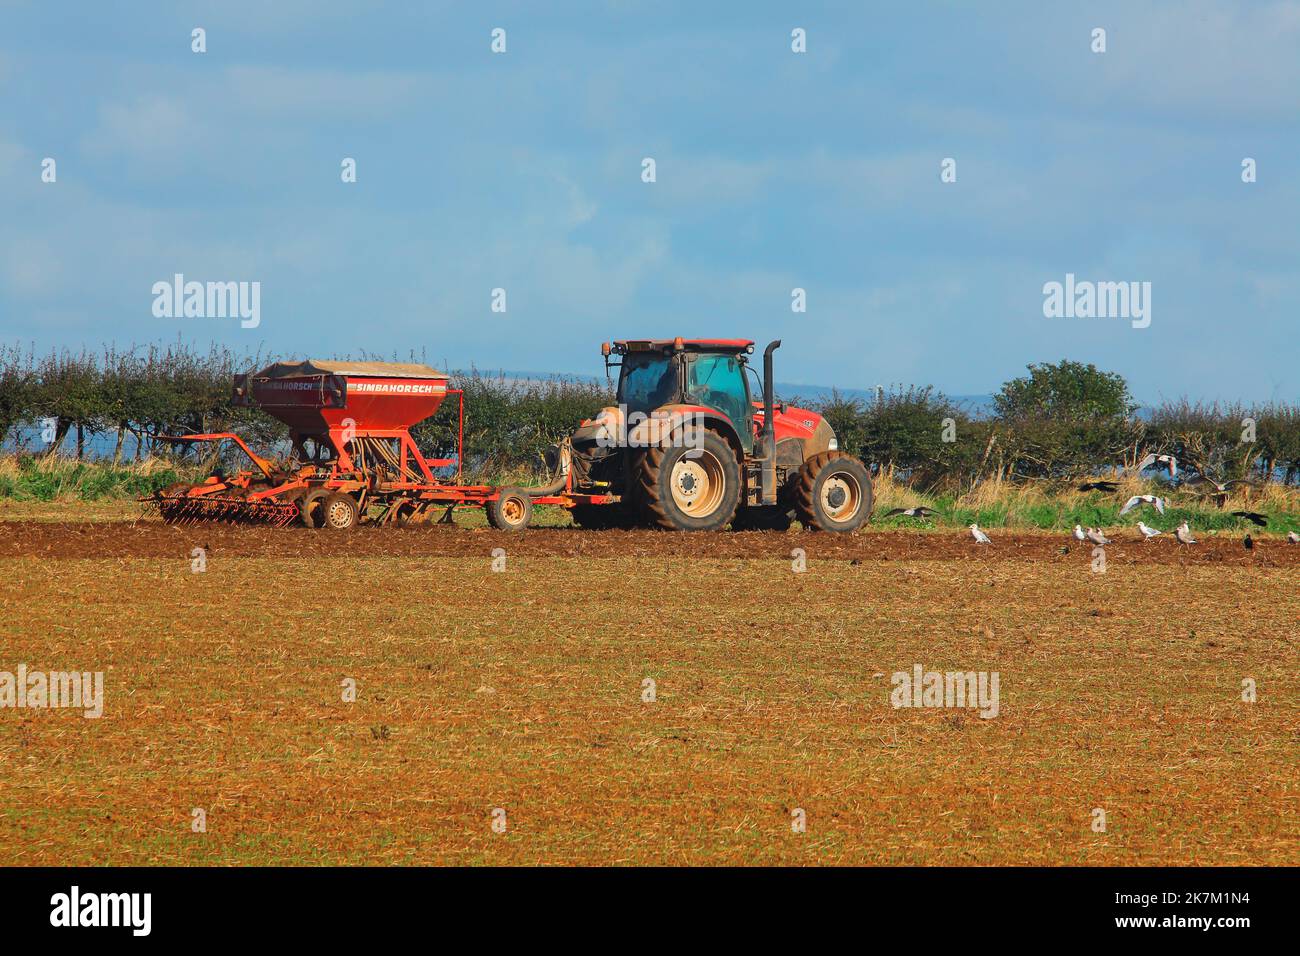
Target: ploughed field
[(644, 697)]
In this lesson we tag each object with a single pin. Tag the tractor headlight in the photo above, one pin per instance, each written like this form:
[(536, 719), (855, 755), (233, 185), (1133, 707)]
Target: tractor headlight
[(834, 445)]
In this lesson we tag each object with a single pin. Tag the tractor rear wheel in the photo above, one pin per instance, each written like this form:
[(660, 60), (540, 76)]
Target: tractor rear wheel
[(832, 492), (511, 511), (682, 488), (340, 512)]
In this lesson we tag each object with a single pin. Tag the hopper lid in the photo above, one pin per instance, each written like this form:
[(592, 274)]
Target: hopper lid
[(342, 367)]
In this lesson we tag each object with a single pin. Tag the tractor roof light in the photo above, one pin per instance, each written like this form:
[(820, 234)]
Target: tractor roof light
[(678, 344)]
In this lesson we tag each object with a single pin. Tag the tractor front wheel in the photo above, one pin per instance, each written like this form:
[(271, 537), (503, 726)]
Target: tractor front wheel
[(682, 488), (832, 492)]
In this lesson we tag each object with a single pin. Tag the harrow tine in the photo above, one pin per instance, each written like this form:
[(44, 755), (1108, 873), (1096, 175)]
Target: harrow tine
[(186, 510)]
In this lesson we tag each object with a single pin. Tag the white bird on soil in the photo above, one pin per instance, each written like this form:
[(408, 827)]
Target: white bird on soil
[(1096, 537), (1292, 538), (1184, 534), (1158, 503), (1148, 532), (979, 535), (1078, 534)]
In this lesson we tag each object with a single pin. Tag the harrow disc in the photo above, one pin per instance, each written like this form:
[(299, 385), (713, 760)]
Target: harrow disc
[(177, 506)]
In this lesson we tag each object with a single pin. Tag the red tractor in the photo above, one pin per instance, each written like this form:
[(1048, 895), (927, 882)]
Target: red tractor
[(688, 447)]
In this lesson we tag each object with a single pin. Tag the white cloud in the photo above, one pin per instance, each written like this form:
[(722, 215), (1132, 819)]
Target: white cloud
[(299, 95), (1211, 59), (12, 158), (152, 130), (29, 266)]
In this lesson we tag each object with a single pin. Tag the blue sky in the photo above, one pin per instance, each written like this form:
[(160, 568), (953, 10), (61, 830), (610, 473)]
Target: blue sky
[(775, 170)]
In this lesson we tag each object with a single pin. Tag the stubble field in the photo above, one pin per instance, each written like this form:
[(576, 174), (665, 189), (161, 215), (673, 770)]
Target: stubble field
[(519, 696)]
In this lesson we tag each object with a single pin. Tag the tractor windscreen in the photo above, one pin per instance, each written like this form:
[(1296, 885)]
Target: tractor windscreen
[(649, 380)]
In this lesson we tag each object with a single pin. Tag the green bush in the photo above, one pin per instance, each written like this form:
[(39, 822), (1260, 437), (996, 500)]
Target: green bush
[(1064, 421)]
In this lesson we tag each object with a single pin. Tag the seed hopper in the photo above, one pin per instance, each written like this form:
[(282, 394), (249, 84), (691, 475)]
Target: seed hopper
[(353, 457)]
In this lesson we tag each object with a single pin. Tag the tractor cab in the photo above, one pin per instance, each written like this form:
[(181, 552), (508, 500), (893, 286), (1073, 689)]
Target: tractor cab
[(690, 374)]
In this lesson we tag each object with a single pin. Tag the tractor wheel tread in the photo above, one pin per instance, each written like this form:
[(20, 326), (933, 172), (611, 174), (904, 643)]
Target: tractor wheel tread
[(658, 510), (804, 487), (505, 518)]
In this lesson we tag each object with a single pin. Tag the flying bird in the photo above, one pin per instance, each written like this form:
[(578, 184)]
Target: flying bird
[(1148, 532), (1096, 537), (1108, 486), (1169, 461), (1254, 517), (979, 535), (1184, 534), (1158, 503), (1221, 490), (918, 512)]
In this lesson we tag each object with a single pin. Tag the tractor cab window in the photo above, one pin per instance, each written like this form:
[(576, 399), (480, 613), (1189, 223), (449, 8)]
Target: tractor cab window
[(649, 380), (718, 381)]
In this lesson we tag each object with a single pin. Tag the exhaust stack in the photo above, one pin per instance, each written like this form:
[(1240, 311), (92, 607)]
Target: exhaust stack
[(767, 479)]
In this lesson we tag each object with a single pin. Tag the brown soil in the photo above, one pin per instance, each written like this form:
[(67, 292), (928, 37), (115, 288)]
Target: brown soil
[(151, 538)]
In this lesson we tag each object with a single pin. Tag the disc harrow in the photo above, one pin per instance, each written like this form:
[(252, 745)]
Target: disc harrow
[(184, 509)]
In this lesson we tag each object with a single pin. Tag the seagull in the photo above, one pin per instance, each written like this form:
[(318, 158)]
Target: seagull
[(1254, 517), (1136, 500), (1184, 534), (1221, 489), (1096, 537), (1099, 486), (979, 535), (918, 512), (1078, 534), (1168, 461), (1292, 538), (1148, 532)]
